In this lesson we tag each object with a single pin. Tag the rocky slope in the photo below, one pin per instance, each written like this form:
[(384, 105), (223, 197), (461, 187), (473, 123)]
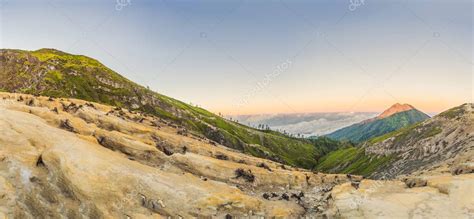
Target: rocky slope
[(443, 141), (75, 159), (431, 171), (396, 117), (54, 73), (68, 158)]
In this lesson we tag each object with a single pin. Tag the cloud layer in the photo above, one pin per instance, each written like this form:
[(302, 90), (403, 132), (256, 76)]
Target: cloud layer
[(307, 124)]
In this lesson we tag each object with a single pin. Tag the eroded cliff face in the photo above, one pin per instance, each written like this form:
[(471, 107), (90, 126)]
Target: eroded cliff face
[(438, 144), (74, 159), (65, 158)]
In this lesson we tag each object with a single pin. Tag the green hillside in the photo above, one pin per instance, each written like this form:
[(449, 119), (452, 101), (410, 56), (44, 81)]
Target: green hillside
[(54, 73), (366, 130), (351, 160)]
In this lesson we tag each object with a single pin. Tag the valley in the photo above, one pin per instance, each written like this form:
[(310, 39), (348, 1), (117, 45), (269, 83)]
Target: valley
[(62, 157)]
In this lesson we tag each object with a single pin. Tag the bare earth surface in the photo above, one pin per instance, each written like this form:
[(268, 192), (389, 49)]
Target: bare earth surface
[(64, 158)]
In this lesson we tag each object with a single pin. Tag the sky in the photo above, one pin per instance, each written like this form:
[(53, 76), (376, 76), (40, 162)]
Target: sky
[(259, 56)]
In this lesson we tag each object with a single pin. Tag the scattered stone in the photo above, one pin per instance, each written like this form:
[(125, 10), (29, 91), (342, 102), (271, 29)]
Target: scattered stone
[(285, 197), (101, 140), (152, 204), (463, 169), (35, 179), (415, 182), (39, 162), (66, 125), (246, 174), (355, 180), (72, 107), (162, 146), (167, 151), (264, 166), (50, 99), (297, 196), (355, 184), (182, 132), (90, 105), (55, 110), (327, 196), (222, 157), (30, 102), (185, 149), (266, 196)]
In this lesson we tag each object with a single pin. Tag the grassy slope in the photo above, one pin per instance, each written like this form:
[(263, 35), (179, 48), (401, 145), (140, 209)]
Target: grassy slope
[(54, 73), (351, 160), (363, 131)]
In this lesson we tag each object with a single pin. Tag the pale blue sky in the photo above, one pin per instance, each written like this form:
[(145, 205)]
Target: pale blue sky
[(221, 54)]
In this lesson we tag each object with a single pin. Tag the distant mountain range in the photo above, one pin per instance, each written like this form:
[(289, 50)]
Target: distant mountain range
[(394, 118)]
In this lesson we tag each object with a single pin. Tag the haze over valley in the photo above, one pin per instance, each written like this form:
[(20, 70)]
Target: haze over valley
[(307, 124)]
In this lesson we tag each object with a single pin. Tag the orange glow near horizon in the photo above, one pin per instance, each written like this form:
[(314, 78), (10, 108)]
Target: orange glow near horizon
[(428, 107)]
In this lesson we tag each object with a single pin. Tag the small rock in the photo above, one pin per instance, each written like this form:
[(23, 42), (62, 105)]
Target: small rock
[(415, 182), (355, 184), (264, 166), (222, 157), (66, 124), (266, 196), (246, 174), (463, 169)]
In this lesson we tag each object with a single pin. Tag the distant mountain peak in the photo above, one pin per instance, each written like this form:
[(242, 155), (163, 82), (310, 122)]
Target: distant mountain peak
[(392, 119), (394, 109)]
